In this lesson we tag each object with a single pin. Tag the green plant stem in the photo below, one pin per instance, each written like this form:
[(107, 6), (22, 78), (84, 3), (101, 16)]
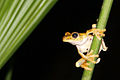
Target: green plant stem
[(103, 17), (9, 72)]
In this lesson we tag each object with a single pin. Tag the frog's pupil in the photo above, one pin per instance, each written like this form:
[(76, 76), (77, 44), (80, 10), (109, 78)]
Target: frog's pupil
[(75, 35)]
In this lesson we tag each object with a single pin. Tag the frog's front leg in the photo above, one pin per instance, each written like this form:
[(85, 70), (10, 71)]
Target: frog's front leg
[(97, 32)]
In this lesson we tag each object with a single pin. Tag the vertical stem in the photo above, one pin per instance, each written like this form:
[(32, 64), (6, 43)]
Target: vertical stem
[(103, 17), (9, 72)]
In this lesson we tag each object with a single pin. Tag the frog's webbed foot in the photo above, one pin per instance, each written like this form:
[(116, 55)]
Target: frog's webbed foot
[(83, 63), (97, 32), (85, 66), (91, 57)]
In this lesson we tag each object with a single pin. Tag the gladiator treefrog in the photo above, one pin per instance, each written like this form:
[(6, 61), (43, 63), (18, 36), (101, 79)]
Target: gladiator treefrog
[(83, 43)]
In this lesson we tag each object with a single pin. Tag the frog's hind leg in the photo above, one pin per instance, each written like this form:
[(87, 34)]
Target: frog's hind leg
[(104, 48), (92, 56), (88, 57), (83, 64), (80, 62)]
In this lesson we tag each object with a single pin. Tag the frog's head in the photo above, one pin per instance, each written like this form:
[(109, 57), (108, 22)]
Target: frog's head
[(74, 38)]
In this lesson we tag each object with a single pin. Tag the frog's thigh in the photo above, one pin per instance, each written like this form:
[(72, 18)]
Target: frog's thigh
[(104, 46), (82, 55), (101, 48)]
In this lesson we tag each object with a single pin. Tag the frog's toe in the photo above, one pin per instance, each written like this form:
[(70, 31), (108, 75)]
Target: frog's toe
[(98, 60), (92, 56), (85, 66), (80, 62)]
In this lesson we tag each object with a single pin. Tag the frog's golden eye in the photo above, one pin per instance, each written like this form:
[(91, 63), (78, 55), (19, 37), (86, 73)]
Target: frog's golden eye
[(75, 35)]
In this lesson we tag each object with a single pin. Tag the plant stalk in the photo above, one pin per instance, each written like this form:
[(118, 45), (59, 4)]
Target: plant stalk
[(102, 21)]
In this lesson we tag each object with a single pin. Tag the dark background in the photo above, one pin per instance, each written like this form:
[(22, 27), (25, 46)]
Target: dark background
[(44, 56)]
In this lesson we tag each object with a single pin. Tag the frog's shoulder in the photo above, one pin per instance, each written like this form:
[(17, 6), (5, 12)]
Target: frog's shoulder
[(90, 37)]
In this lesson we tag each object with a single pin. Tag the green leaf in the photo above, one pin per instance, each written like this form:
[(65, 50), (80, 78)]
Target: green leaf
[(18, 19)]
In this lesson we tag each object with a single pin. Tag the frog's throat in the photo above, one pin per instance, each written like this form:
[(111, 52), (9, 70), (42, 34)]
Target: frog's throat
[(83, 42)]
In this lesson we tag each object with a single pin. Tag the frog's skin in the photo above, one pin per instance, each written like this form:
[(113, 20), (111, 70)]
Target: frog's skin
[(83, 43)]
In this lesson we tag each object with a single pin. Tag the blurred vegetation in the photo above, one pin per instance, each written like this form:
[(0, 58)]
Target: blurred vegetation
[(18, 18)]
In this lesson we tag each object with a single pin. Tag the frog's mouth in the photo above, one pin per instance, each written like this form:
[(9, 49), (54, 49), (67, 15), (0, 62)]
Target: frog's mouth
[(66, 39)]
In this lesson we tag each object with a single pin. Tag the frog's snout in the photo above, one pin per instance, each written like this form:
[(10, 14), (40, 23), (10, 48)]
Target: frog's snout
[(66, 39)]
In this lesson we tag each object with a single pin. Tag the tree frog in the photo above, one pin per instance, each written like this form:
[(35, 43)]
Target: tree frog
[(83, 43)]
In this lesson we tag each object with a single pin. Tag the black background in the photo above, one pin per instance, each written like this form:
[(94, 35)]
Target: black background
[(44, 56)]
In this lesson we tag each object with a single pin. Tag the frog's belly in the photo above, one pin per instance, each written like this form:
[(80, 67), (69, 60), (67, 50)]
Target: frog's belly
[(85, 47)]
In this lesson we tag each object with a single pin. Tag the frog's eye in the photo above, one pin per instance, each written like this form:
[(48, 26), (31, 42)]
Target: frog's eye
[(75, 35)]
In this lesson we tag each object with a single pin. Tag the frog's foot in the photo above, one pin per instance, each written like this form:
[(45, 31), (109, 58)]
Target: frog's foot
[(97, 32), (91, 57), (85, 66), (80, 62)]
